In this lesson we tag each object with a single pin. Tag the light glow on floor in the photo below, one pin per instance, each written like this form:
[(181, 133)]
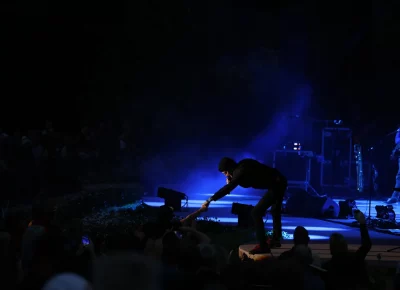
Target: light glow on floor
[(318, 229), (234, 220), (191, 205), (230, 195), (317, 237), (227, 220), (312, 237)]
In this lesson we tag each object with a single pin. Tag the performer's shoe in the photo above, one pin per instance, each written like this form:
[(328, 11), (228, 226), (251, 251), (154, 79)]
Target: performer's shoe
[(260, 249)]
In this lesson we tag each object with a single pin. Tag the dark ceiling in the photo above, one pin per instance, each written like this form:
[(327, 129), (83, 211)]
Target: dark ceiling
[(66, 59)]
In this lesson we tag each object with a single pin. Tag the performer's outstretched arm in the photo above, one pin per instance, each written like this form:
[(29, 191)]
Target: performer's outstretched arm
[(191, 217), (224, 190), (233, 183)]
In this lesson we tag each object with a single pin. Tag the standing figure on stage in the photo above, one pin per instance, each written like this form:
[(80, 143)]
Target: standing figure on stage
[(251, 173), (395, 155)]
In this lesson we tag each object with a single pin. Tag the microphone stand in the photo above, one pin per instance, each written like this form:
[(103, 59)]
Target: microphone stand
[(372, 170), (373, 174)]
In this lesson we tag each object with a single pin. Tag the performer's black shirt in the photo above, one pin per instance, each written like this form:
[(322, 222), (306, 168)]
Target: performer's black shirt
[(251, 173)]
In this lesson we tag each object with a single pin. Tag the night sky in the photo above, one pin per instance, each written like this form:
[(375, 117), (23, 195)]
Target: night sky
[(183, 68)]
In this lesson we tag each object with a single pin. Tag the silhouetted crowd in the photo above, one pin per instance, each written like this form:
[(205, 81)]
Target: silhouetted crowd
[(166, 254), (55, 163)]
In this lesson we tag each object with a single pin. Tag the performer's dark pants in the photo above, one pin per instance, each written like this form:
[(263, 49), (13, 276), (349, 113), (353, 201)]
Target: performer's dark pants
[(273, 198)]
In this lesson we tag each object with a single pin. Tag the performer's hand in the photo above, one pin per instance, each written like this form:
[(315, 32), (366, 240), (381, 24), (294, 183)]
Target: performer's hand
[(205, 206)]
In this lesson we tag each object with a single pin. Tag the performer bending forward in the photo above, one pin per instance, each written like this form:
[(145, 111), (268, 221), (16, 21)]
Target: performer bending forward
[(251, 173)]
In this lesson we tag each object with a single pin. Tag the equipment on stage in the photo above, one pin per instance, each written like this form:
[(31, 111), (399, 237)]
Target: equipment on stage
[(173, 198), (243, 211), (385, 212), (302, 204), (382, 212), (347, 208), (372, 176), (337, 151), (296, 146), (359, 167), (296, 166)]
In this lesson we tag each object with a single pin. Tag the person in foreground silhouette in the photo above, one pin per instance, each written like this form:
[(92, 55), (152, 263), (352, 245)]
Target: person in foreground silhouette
[(251, 173), (347, 269)]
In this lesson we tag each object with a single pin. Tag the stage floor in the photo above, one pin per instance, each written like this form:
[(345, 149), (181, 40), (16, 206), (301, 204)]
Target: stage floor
[(319, 230)]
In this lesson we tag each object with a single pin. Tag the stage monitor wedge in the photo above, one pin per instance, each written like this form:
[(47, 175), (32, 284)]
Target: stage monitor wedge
[(172, 198)]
